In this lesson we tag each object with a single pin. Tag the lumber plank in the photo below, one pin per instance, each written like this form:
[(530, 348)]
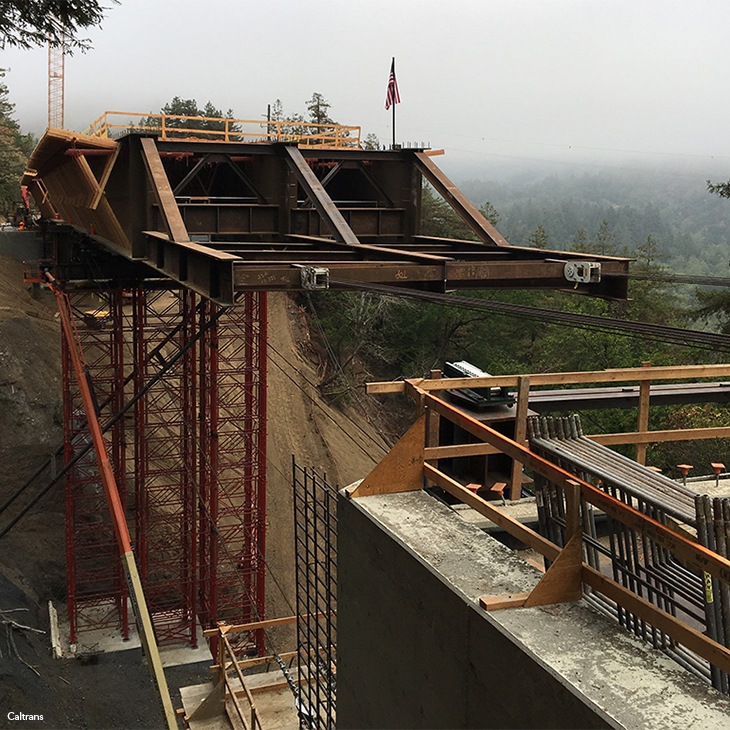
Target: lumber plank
[(486, 509), (432, 453), (506, 600), (617, 375)]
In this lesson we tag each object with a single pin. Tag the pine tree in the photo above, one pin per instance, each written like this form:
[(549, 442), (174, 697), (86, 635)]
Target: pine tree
[(14, 150), (539, 238)]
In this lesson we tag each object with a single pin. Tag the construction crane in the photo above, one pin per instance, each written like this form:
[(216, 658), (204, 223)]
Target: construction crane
[(56, 64)]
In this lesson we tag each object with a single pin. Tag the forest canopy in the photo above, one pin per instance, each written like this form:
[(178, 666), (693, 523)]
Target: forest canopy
[(28, 23)]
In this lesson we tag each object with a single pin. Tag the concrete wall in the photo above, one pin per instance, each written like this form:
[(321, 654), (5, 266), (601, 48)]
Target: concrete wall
[(414, 650), (413, 653)]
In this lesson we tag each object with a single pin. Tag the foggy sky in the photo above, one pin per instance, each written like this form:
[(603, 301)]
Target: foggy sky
[(491, 81)]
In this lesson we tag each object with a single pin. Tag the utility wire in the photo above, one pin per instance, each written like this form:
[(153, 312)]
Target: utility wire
[(644, 330), (89, 445), (321, 408)]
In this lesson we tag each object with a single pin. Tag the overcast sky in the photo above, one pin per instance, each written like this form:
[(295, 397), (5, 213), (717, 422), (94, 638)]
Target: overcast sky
[(491, 81)]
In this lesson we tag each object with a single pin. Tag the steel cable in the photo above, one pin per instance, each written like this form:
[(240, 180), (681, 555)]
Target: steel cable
[(644, 330)]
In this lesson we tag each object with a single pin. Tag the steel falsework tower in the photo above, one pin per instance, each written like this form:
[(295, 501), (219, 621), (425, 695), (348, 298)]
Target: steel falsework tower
[(189, 458)]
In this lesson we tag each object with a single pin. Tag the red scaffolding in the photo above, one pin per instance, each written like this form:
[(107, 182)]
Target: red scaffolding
[(191, 455), (96, 589), (233, 465)]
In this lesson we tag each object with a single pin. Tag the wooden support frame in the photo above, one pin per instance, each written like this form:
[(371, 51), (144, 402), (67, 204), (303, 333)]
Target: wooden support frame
[(523, 399), (563, 580), (642, 425), (402, 468), (104, 179)]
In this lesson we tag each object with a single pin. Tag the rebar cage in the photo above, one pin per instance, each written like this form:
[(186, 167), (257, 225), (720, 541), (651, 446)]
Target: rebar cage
[(315, 532), (631, 558)]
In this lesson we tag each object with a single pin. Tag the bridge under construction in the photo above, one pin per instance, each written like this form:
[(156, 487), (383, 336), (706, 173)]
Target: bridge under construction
[(170, 227), (165, 237)]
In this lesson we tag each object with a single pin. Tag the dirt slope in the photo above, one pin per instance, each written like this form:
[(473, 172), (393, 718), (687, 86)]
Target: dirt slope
[(339, 443)]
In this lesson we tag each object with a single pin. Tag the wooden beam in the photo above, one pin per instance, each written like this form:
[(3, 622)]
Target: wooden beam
[(163, 191), (643, 418), (401, 470), (650, 437), (256, 661), (486, 509), (618, 375), (506, 600), (698, 557), (252, 626), (523, 398), (104, 179), (433, 453), (680, 632)]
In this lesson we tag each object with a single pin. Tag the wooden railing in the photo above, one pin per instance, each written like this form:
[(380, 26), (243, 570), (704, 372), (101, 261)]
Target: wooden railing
[(407, 465), (227, 662), (522, 384), (222, 129)]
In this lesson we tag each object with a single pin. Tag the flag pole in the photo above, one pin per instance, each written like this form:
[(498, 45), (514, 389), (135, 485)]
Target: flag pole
[(393, 106)]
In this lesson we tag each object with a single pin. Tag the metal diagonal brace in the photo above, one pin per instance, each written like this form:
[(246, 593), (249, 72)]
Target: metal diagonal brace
[(459, 202), (318, 195)]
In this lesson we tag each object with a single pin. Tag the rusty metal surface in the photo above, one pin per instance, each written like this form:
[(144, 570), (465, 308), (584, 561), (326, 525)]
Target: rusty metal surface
[(223, 216)]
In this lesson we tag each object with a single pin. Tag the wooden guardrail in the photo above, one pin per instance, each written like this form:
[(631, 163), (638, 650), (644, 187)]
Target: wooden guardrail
[(406, 466), (644, 376), (222, 129)]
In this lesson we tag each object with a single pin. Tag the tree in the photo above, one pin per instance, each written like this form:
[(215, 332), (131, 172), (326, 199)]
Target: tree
[(14, 150), (192, 117), (721, 189), (372, 142), (28, 23), (605, 240), (318, 108), (490, 213), (539, 238), (439, 219)]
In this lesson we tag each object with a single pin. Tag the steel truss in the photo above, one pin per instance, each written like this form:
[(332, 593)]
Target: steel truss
[(191, 454)]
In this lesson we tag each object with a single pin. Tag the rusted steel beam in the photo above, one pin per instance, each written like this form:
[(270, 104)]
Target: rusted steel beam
[(204, 270), (163, 192), (318, 195), (468, 212)]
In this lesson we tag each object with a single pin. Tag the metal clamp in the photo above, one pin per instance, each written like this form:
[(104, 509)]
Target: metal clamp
[(314, 278), (582, 272)]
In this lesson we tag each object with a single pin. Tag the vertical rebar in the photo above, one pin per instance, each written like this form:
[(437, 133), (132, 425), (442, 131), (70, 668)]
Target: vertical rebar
[(710, 615)]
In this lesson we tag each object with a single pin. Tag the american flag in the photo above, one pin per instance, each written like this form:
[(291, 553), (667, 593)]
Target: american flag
[(392, 96)]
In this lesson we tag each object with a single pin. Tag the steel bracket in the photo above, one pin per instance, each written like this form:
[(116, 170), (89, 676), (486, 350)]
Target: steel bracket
[(582, 272), (314, 278)]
